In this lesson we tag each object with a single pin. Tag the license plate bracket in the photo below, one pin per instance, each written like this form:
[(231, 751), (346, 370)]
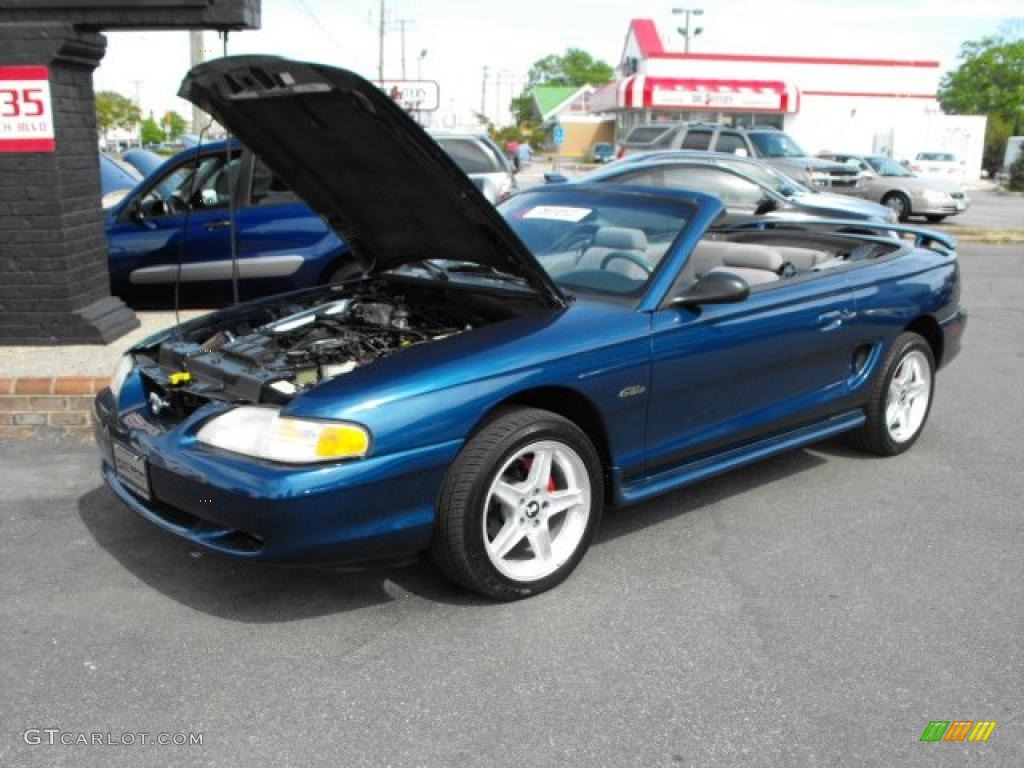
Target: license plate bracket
[(132, 471)]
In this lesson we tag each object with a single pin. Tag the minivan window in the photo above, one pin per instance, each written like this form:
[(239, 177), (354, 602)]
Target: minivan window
[(267, 187), (469, 156), (697, 140), (645, 134), (729, 142), (667, 139)]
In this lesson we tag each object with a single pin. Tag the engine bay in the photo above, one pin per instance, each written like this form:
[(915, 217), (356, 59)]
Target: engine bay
[(280, 351)]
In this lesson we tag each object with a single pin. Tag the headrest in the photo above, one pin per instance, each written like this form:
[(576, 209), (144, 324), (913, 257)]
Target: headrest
[(752, 257), (620, 239)]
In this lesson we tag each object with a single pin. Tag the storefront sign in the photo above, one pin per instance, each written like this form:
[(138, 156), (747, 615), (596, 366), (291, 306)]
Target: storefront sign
[(26, 117), (413, 95), (707, 99)]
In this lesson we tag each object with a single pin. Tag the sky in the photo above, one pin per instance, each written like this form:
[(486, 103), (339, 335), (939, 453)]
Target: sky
[(461, 37)]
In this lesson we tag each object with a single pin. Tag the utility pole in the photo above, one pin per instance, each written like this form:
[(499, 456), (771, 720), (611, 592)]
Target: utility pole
[(401, 28), (380, 46), (138, 103), (685, 29), (196, 56), (483, 94)]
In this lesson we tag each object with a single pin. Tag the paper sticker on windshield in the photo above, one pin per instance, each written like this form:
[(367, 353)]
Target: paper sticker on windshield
[(557, 213)]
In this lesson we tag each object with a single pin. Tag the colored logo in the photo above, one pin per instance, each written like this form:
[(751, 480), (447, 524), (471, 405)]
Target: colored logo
[(958, 730)]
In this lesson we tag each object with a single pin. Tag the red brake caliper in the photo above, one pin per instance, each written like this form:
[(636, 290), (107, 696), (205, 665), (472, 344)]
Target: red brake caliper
[(528, 462)]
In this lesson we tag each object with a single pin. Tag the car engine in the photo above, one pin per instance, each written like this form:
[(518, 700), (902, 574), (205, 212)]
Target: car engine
[(298, 348)]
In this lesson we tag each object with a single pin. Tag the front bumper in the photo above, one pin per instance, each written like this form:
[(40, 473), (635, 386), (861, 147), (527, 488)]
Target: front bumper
[(953, 207), (347, 512)]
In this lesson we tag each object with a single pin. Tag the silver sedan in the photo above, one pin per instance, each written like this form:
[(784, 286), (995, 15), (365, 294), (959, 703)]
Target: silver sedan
[(887, 182)]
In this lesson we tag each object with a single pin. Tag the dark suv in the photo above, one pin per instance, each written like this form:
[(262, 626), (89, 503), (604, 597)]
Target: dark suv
[(769, 144)]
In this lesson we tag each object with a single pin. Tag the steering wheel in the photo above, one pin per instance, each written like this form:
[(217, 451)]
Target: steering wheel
[(632, 258)]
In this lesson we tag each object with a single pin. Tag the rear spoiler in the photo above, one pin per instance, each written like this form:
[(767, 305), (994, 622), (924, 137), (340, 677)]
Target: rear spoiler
[(923, 238)]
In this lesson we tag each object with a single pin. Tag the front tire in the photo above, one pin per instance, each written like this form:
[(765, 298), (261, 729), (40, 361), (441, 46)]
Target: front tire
[(899, 204), (935, 218), (900, 399), (519, 506)]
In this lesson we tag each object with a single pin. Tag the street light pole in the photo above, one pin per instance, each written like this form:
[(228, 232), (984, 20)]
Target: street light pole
[(685, 29)]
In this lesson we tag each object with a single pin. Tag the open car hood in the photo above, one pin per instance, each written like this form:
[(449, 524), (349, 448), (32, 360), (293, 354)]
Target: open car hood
[(362, 163)]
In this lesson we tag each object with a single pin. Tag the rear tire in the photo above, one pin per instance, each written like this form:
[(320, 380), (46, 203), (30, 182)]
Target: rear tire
[(519, 505), (899, 204), (900, 399)]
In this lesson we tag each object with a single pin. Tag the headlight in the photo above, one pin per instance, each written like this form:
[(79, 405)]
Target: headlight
[(264, 434), (124, 367), (935, 196)]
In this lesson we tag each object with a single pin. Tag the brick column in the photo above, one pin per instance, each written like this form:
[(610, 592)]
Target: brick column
[(54, 287)]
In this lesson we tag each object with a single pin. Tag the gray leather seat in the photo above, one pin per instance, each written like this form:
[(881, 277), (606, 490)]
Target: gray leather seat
[(611, 239), (757, 264)]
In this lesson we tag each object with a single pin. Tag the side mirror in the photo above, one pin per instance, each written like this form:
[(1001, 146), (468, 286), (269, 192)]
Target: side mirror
[(765, 205), (714, 288), (555, 178)]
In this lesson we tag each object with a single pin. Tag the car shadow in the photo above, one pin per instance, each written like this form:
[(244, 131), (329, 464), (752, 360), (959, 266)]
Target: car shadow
[(249, 591), (254, 592)]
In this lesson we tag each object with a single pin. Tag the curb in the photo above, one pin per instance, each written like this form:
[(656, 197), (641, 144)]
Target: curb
[(56, 406)]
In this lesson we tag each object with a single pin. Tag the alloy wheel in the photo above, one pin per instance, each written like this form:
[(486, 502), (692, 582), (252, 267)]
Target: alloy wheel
[(907, 399), (536, 510)]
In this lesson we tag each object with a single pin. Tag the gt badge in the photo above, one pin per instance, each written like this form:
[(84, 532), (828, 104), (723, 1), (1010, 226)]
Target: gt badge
[(633, 391)]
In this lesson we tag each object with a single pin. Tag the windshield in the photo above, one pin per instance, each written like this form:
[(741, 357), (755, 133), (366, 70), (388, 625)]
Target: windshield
[(595, 241), (886, 166), (771, 144)]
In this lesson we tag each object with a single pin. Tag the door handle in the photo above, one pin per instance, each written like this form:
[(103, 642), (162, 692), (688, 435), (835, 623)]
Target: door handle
[(829, 321), (222, 224)]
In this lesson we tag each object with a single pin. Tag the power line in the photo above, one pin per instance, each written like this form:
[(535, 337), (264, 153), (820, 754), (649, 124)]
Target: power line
[(327, 34)]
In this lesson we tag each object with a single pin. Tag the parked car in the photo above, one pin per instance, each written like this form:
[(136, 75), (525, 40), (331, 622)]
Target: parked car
[(116, 180), (771, 145), (482, 160), (906, 194), (177, 225), (496, 375), (939, 165), (602, 152), (143, 160), (749, 188)]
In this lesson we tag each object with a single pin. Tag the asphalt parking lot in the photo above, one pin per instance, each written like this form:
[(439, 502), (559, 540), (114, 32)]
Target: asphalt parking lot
[(817, 609)]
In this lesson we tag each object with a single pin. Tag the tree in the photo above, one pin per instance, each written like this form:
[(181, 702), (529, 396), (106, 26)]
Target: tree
[(152, 133), (575, 67), (173, 124), (990, 82), (115, 111)]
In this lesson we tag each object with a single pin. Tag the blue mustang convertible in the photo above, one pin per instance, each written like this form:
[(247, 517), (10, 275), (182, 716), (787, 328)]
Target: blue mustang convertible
[(493, 377)]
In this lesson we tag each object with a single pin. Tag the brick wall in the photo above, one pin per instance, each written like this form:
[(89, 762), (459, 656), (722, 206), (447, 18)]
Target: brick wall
[(44, 407)]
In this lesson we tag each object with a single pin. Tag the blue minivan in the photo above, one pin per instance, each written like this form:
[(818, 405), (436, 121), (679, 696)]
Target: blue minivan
[(280, 243)]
